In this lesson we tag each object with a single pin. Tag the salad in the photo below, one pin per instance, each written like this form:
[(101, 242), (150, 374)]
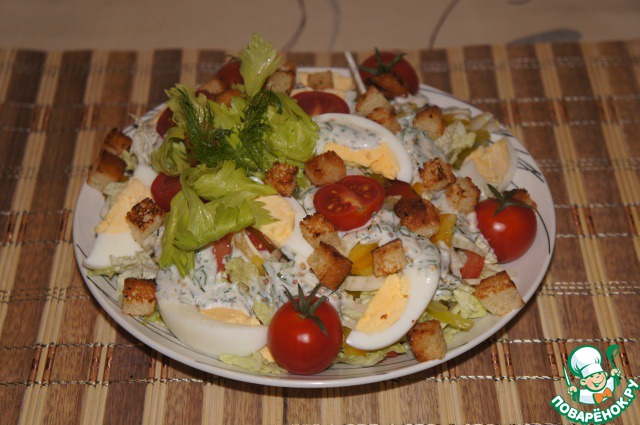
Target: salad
[(280, 222)]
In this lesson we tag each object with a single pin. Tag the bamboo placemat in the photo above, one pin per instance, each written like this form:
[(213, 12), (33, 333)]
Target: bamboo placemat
[(63, 360)]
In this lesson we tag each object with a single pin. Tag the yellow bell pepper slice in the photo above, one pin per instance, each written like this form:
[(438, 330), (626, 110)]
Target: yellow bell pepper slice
[(445, 231), (362, 259), (449, 318)]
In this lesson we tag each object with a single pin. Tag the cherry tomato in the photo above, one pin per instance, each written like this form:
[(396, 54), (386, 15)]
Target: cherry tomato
[(259, 240), (318, 102), (164, 188), (510, 232), (221, 248), (400, 188), (298, 343), (229, 73), (351, 202), (165, 122), (473, 266), (402, 70)]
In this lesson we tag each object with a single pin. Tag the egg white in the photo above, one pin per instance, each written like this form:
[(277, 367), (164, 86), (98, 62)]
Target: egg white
[(405, 167), (108, 245), (469, 169), (210, 336), (294, 246), (422, 287)]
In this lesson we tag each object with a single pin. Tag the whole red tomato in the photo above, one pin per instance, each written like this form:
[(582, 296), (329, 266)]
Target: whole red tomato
[(351, 202), (390, 63), (509, 232), (229, 73), (164, 188), (296, 339)]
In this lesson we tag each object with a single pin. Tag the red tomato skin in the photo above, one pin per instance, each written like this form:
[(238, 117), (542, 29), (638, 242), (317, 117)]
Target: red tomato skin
[(400, 188), (510, 233), (299, 345), (229, 73), (165, 122), (164, 188), (317, 103), (473, 266), (221, 248), (402, 69), (259, 240), (351, 202)]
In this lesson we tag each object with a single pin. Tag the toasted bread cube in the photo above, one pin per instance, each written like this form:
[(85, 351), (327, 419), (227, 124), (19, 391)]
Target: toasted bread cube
[(212, 87), (498, 294), (282, 177), (325, 169), (108, 168), (389, 258), (463, 195), (139, 297), (226, 96), (144, 218), (282, 81), (431, 121), (521, 195), (371, 100), (418, 215), (321, 80), (427, 341), (389, 84), (436, 174), (316, 228), (117, 142), (329, 265), (386, 119)]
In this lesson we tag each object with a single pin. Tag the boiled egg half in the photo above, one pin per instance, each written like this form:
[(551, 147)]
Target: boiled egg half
[(495, 165), (360, 141), (395, 308)]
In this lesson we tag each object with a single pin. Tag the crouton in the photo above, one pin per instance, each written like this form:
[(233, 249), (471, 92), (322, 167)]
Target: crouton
[(282, 81), (436, 174), (389, 258), (431, 121), (107, 169), (282, 177), (418, 215), (389, 85), (427, 341), (139, 297), (463, 195), (370, 100), (321, 80), (498, 294), (325, 169), (117, 142), (316, 228), (212, 87), (386, 119), (521, 195), (329, 265), (225, 96), (144, 218)]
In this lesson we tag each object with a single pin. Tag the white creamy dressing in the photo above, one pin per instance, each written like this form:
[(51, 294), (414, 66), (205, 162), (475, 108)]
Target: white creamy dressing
[(353, 136)]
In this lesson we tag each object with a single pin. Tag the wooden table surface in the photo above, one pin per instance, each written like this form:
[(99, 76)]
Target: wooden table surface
[(64, 360)]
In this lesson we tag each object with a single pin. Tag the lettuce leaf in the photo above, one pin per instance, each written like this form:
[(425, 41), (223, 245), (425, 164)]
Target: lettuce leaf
[(170, 158), (258, 61), (294, 133), (229, 180), (254, 362), (372, 357), (470, 306)]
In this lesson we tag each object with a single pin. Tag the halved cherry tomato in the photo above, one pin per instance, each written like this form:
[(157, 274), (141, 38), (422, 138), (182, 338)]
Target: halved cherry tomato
[(164, 188), (400, 188), (259, 240), (510, 232), (165, 122), (298, 343), (473, 266), (318, 102), (402, 69), (229, 73), (221, 248), (351, 202)]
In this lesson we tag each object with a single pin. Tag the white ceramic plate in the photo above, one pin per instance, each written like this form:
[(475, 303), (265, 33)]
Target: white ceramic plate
[(527, 273)]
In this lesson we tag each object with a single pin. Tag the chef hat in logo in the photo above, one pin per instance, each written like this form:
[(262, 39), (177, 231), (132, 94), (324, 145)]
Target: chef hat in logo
[(585, 361)]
